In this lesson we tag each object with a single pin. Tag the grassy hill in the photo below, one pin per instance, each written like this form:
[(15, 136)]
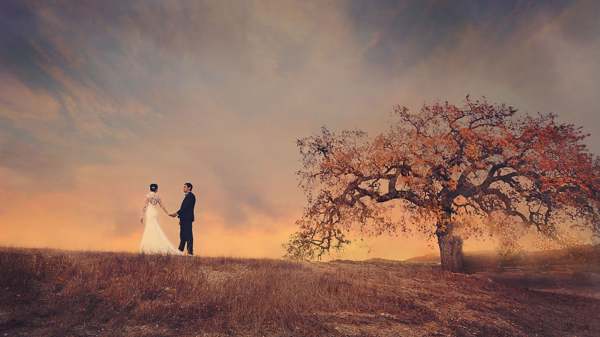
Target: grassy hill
[(583, 256), (57, 293)]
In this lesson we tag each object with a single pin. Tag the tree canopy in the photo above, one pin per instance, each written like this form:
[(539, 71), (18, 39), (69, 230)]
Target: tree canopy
[(443, 163)]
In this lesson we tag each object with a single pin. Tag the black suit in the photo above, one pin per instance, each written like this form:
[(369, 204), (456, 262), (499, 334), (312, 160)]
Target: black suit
[(186, 217)]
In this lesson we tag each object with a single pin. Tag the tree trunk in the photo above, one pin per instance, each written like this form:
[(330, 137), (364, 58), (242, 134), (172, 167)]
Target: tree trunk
[(451, 254)]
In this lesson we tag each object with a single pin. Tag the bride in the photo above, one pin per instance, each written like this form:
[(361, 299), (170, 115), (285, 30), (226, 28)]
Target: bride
[(154, 239)]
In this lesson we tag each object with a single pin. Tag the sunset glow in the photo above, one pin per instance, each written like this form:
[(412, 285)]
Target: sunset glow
[(97, 101)]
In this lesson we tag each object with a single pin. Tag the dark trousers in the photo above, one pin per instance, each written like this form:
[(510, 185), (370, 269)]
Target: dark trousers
[(185, 236)]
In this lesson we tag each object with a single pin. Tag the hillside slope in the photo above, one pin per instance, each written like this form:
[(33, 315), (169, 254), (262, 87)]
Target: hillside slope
[(55, 293)]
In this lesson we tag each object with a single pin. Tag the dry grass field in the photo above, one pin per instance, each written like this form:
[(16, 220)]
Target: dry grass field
[(58, 293)]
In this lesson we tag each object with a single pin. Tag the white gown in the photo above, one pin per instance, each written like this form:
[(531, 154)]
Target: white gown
[(154, 240)]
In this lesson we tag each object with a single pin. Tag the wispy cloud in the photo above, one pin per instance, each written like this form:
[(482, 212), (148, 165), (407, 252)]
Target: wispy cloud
[(99, 99)]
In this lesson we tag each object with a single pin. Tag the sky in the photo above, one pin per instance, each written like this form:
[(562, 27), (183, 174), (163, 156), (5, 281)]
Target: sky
[(98, 99)]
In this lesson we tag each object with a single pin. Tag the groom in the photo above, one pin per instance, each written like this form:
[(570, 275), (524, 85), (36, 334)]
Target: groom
[(186, 217)]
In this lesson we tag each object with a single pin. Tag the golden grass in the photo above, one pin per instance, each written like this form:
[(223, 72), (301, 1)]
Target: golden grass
[(56, 293)]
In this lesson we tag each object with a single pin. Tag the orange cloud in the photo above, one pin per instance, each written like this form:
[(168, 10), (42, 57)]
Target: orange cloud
[(97, 104)]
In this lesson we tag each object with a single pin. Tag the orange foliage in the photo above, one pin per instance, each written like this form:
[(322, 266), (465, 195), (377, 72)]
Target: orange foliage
[(531, 169)]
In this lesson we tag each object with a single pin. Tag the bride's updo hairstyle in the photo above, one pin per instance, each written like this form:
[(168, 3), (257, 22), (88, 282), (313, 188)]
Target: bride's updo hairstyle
[(153, 187)]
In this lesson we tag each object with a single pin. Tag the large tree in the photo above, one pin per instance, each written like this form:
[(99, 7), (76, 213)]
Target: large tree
[(440, 166)]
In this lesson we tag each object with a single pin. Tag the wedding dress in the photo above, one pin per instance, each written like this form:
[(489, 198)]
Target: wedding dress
[(154, 240)]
